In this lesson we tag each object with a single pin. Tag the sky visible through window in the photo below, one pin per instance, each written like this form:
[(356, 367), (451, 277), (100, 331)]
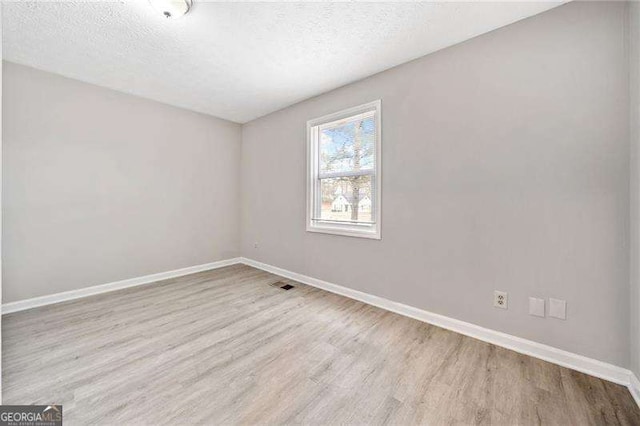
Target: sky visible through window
[(339, 150)]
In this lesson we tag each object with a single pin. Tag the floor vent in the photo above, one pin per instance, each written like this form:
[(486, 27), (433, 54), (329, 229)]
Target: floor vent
[(282, 285)]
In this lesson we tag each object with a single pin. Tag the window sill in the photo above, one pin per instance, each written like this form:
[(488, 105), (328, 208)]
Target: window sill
[(346, 231)]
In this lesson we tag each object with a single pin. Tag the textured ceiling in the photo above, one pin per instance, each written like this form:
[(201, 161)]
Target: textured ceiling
[(240, 60)]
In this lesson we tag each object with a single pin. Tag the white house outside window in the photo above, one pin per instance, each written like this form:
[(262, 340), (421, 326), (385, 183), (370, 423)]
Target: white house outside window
[(343, 191)]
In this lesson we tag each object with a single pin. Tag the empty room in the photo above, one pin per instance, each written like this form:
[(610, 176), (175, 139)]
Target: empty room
[(320, 212)]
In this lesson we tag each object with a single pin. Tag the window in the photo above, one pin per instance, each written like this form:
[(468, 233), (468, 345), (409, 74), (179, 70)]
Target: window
[(343, 190)]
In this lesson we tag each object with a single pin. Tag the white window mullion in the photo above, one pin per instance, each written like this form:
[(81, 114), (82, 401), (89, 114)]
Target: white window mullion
[(346, 174)]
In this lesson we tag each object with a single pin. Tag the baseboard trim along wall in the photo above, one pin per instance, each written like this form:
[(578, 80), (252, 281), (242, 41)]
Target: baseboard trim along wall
[(557, 356), (22, 305), (634, 388)]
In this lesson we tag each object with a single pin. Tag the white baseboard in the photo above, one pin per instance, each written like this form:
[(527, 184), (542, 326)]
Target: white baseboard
[(577, 362), (634, 388), (21, 305)]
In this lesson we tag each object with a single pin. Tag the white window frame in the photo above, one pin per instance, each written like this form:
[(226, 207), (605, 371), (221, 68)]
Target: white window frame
[(313, 181)]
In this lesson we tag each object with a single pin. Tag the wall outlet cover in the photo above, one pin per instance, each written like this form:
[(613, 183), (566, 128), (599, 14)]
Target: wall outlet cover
[(500, 299), (558, 308), (536, 307)]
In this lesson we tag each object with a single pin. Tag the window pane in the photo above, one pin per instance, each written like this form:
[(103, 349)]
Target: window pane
[(348, 147), (347, 199)]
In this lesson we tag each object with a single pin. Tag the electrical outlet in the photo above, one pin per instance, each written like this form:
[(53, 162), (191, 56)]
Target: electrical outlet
[(500, 299)]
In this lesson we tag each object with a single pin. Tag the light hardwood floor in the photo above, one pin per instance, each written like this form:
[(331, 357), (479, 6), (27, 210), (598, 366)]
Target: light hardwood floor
[(224, 346)]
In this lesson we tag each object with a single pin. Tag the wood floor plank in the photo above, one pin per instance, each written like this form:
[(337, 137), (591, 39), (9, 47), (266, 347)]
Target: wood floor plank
[(226, 347)]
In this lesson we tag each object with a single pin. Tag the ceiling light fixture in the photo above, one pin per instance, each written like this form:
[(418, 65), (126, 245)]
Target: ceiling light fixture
[(172, 8)]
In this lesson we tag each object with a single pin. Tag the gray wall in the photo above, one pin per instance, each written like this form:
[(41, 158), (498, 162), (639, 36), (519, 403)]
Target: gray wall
[(101, 186), (634, 86), (505, 166)]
